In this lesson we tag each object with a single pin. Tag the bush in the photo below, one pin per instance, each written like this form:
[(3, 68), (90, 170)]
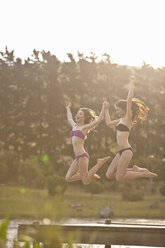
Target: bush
[(95, 187), (111, 185), (8, 167), (4, 172), (56, 185), (162, 189), (132, 194), (30, 173), (40, 181)]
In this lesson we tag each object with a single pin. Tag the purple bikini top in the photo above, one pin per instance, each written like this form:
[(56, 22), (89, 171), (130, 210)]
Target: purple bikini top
[(77, 133)]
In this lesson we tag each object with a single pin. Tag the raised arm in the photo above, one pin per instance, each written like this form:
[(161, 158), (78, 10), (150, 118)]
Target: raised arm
[(108, 120), (97, 121), (129, 98), (69, 115)]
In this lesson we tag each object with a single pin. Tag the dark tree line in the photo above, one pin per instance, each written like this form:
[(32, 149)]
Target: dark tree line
[(33, 95)]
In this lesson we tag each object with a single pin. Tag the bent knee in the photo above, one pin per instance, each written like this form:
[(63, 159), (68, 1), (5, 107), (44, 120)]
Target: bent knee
[(109, 175), (67, 178), (119, 178)]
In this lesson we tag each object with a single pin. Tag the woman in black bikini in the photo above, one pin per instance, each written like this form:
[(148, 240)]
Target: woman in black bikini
[(129, 111)]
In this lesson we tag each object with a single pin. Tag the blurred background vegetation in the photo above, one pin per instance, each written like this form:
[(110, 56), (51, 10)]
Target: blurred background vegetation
[(35, 147)]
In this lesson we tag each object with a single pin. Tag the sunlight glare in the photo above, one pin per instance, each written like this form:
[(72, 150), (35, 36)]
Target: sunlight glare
[(130, 31)]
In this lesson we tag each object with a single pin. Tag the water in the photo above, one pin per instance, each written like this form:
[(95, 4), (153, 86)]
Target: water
[(13, 226)]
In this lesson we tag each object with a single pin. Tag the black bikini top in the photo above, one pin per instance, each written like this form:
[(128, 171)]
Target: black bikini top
[(122, 128)]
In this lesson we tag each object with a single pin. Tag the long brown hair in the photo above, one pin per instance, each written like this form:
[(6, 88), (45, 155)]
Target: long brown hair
[(89, 114), (139, 109)]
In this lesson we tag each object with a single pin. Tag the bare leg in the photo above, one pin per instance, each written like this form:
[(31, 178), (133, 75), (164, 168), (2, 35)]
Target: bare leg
[(111, 172), (73, 173), (95, 168), (140, 169), (77, 175), (86, 175), (123, 174)]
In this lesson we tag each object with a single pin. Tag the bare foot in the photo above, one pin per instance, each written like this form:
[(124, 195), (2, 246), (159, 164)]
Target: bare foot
[(147, 173), (96, 176), (139, 169), (150, 174), (101, 161)]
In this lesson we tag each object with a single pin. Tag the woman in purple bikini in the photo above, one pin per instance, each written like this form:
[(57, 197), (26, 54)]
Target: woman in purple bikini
[(129, 111), (85, 121)]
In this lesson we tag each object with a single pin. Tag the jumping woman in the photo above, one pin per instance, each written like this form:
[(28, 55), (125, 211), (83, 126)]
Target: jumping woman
[(85, 121), (129, 111)]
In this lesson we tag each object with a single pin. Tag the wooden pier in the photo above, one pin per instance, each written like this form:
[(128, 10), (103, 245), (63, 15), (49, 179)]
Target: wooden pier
[(107, 234)]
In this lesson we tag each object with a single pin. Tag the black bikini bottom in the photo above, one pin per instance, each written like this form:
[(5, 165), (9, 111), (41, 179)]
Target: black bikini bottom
[(129, 148)]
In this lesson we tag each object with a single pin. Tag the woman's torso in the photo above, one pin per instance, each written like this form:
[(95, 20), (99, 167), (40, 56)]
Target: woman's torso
[(122, 135), (78, 139)]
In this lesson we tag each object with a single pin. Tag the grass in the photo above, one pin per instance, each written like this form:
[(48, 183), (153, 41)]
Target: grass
[(16, 202)]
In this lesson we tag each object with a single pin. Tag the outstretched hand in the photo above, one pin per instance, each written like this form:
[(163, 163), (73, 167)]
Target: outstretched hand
[(68, 104), (106, 105), (132, 79)]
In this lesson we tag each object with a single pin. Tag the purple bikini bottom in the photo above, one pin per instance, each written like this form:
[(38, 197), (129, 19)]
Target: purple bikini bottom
[(82, 156)]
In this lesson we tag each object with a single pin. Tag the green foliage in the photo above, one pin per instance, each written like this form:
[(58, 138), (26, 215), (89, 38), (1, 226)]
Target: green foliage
[(3, 233), (37, 204), (56, 185), (31, 173), (55, 239), (130, 193), (160, 170), (9, 163), (3, 230), (33, 115), (132, 196), (4, 172), (94, 187), (162, 189), (112, 185)]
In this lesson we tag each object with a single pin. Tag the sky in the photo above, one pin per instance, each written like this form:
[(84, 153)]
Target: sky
[(130, 31)]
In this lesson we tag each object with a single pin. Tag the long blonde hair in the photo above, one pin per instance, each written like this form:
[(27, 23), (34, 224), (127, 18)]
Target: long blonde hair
[(89, 114)]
